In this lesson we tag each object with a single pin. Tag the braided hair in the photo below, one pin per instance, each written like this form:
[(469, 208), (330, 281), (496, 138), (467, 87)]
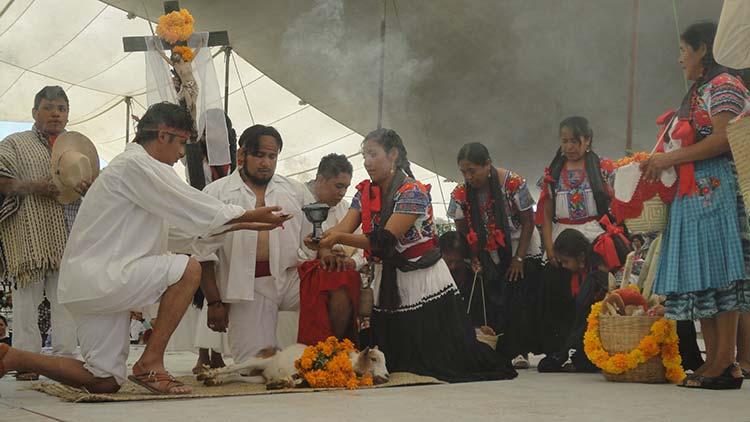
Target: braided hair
[(389, 139), (702, 33), (581, 129)]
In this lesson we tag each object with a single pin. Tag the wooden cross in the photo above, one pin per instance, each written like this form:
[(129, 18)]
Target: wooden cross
[(193, 151)]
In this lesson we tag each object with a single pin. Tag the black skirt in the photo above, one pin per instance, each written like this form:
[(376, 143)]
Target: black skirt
[(436, 339)]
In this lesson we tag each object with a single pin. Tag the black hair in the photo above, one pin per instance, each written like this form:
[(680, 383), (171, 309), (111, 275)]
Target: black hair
[(4, 320), (702, 33), (453, 241), (167, 114), (50, 93), (572, 243), (581, 129), (389, 139), (638, 237), (475, 153), (334, 164), (250, 138)]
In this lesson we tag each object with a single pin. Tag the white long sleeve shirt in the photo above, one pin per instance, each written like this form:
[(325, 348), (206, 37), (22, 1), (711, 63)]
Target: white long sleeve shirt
[(235, 269), (126, 215), (732, 42)]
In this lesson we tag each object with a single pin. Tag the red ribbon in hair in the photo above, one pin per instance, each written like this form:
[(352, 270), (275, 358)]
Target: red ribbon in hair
[(544, 196), (605, 244), (370, 202)]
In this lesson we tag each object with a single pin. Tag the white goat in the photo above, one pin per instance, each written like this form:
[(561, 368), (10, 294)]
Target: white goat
[(278, 371)]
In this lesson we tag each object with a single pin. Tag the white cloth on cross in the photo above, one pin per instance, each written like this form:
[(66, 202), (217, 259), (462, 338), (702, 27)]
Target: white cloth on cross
[(159, 87)]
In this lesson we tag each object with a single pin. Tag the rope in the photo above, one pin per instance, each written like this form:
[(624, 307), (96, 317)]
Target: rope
[(677, 28), (471, 296), (73, 38), (244, 94), (289, 115), (316, 167), (115, 63), (99, 114), (5, 9), (319, 146), (17, 19), (381, 85)]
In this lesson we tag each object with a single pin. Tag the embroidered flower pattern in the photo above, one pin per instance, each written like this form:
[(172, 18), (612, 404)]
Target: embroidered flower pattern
[(706, 187)]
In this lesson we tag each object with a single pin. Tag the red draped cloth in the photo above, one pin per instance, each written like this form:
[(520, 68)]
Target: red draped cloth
[(315, 284)]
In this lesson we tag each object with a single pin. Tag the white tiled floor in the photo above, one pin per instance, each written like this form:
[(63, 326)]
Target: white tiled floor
[(531, 397)]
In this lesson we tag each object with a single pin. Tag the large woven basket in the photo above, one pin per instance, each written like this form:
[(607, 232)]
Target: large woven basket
[(738, 133), (621, 334), (653, 218)]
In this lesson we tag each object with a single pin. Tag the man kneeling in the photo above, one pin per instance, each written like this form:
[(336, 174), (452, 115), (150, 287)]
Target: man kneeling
[(117, 259)]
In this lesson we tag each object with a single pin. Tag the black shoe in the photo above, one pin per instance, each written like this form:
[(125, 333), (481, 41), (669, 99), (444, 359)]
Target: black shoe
[(725, 381), (551, 363)]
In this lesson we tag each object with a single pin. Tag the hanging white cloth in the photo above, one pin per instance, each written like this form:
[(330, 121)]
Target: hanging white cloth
[(160, 87)]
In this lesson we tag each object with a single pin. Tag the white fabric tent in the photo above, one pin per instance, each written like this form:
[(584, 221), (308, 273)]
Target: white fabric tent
[(77, 44)]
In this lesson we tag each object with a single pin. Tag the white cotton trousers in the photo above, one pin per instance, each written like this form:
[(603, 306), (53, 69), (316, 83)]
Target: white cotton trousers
[(26, 335), (253, 323)]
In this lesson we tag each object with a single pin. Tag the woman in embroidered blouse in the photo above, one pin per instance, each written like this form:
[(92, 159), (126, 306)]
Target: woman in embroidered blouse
[(493, 209), (575, 195), (418, 320), (701, 270)]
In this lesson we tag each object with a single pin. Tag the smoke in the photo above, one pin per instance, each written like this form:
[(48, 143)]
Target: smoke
[(350, 50)]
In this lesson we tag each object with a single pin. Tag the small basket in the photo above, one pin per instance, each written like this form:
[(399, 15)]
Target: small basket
[(621, 334), (738, 133), (653, 218)]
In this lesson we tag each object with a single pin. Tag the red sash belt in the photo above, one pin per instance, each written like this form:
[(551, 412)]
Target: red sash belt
[(576, 222), (418, 250)]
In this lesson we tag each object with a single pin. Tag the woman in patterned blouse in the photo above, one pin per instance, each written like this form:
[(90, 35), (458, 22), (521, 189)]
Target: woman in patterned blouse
[(703, 267), (494, 211), (418, 320), (575, 195)]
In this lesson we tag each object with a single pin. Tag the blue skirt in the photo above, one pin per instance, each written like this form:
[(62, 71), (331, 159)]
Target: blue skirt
[(702, 249)]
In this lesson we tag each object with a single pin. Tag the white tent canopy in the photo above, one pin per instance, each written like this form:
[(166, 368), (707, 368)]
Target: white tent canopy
[(77, 44)]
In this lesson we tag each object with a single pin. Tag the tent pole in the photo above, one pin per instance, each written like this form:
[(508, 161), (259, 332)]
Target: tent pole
[(227, 56), (381, 87), (631, 78), (128, 108)]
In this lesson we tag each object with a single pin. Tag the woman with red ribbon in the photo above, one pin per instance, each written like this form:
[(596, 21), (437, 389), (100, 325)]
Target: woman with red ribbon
[(494, 211), (574, 195), (593, 262), (418, 320), (702, 270)]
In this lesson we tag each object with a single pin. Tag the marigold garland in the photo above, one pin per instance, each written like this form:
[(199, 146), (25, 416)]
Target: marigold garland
[(175, 26), (186, 52), (662, 339), (638, 157), (327, 365)]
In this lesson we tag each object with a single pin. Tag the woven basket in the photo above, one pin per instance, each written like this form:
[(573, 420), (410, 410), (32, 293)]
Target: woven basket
[(738, 133), (621, 334), (653, 218)]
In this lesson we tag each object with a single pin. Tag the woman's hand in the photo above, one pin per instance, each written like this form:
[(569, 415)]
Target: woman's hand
[(328, 240), (552, 259), (311, 244), (515, 271), (476, 266), (654, 165)]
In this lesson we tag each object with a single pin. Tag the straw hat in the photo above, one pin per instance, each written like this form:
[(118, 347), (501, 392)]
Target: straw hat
[(74, 159)]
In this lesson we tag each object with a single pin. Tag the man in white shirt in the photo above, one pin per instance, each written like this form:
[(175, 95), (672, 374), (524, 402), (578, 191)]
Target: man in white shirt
[(117, 259), (328, 300), (253, 276)]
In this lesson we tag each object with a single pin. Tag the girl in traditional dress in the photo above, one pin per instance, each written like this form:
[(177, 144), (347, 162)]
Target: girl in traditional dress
[(594, 261), (701, 269), (418, 321), (493, 210), (575, 194)]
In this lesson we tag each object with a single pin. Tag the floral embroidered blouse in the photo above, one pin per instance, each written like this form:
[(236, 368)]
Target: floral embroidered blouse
[(517, 199), (574, 198), (412, 198)]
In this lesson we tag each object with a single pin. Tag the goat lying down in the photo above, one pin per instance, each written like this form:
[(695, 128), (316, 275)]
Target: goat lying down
[(277, 368)]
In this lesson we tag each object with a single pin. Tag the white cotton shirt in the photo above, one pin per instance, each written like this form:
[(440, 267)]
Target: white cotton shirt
[(235, 269), (732, 42), (126, 217)]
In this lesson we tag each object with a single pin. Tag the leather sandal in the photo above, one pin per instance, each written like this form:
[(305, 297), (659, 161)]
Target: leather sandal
[(725, 381), (158, 382)]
